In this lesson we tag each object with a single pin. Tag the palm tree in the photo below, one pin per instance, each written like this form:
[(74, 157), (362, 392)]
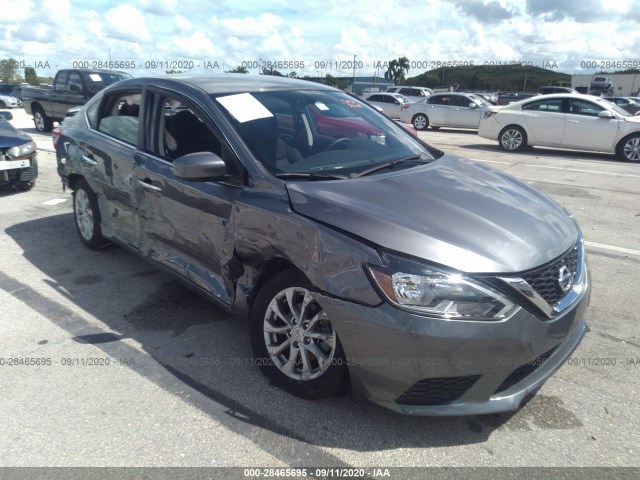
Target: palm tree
[(402, 66), (391, 72)]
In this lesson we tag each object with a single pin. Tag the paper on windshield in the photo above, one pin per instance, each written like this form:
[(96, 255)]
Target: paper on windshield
[(95, 77), (244, 107)]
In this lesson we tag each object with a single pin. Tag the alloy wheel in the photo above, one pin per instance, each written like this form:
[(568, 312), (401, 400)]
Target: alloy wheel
[(300, 340)]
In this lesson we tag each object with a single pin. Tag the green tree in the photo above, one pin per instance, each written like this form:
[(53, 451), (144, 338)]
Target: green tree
[(401, 68), (391, 72), (271, 71), (9, 70), (239, 69), (30, 76)]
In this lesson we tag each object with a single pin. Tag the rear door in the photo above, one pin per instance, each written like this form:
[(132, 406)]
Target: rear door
[(545, 121), (106, 154), (185, 223)]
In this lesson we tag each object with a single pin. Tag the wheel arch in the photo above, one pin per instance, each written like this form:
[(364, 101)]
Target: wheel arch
[(528, 142), (622, 141)]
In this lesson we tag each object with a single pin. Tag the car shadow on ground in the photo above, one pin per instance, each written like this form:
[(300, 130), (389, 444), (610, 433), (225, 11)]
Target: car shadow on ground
[(189, 342), (543, 152)]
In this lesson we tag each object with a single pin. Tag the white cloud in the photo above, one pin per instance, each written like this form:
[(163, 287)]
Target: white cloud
[(181, 23), (159, 7), (127, 23), (261, 26)]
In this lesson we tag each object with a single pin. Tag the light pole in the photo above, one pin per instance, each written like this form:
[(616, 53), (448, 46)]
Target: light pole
[(353, 80)]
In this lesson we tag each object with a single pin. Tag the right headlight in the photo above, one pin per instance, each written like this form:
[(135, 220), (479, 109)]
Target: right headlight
[(436, 292)]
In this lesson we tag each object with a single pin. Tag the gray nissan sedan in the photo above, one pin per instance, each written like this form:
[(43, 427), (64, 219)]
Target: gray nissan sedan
[(363, 258)]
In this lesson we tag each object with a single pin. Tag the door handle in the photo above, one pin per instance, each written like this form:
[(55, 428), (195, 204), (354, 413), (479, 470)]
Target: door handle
[(147, 185), (88, 160), (574, 121)]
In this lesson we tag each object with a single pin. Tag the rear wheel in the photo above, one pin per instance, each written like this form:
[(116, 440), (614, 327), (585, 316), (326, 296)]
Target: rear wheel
[(293, 340), (2, 104), (87, 215), (41, 121), (420, 121), (512, 138), (629, 148)]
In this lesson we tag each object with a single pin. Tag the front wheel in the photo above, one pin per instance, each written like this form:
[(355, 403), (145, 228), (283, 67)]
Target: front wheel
[(512, 138), (294, 341), (2, 104), (629, 148), (41, 121), (87, 215), (420, 121)]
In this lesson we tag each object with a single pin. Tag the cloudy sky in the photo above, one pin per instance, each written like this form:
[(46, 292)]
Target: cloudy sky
[(213, 36)]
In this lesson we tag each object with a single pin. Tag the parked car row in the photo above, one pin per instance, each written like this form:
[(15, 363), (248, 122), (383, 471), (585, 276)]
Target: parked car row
[(352, 246), (574, 121), (462, 110)]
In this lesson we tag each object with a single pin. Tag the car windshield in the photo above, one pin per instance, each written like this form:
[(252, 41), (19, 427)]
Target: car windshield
[(479, 100), (324, 133), (97, 81), (612, 106)]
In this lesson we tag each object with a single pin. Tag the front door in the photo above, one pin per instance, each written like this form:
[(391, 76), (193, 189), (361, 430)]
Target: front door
[(186, 223)]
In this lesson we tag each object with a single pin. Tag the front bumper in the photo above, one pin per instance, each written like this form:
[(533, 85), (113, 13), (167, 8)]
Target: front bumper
[(418, 365)]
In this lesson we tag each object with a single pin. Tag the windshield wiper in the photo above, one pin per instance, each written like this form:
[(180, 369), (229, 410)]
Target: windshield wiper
[(310, 176), (390, 164)]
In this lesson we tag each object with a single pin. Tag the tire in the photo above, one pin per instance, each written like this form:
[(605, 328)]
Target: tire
[(41, 121), (87, 216), (629, 148), (280, 322), (420, 121), (512, 138), (2, 104)]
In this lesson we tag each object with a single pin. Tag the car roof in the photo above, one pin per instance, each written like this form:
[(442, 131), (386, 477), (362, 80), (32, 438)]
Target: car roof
[(229, 82)]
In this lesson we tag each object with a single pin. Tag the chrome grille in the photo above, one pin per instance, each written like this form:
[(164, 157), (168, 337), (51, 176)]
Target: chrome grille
[(545, 281)]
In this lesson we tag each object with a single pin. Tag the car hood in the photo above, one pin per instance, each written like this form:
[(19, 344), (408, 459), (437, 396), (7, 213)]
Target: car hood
[(10, 137), (452, 212)]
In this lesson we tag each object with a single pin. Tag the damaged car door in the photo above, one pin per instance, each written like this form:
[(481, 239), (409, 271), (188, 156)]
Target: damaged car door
[(185, 221)]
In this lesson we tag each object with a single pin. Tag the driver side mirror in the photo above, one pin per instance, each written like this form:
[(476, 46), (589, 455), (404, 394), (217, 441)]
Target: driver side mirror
[(473, 105), (200, 166), (605, 114)]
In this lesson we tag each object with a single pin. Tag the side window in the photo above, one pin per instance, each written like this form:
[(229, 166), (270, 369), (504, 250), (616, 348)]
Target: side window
[(435, 100), (584, 107), (119, 116), (61, 81), (460, 101), (407, 91), (554, 105), (183, 131), (375, 98), (74, 78), (390, 99)]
